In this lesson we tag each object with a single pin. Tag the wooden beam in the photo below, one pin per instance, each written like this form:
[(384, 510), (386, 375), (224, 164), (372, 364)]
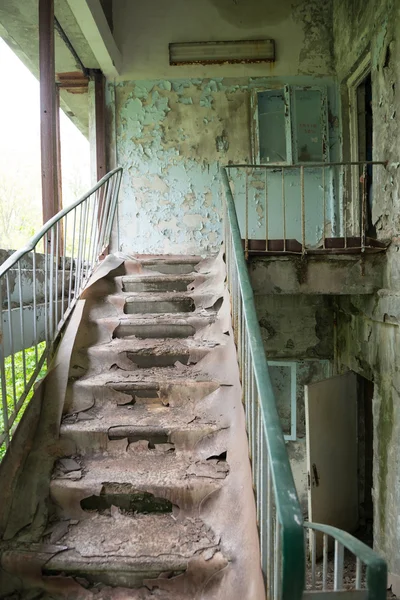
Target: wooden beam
[(48, 121), (100, 123)]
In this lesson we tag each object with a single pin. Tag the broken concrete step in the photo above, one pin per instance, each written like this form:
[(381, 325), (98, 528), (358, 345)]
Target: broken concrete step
[(158, 283), (137, 479), (124, 550), (133, 353), (160, 303), (174, 266), (162, 326)]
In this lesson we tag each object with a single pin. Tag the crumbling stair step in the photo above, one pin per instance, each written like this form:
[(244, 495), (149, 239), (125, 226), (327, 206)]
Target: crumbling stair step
[(158, 283), (124, 550), (166, 478)]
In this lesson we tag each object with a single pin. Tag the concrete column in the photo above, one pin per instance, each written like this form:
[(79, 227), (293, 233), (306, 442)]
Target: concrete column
[(48, 118)]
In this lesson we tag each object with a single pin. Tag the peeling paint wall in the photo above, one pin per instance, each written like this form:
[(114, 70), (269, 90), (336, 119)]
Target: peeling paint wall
[(171, 138), (368, 340), (174, 126)]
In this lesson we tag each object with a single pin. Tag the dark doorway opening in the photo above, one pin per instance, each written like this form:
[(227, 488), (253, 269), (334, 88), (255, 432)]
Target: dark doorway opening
[(365, 143), (365, 459)]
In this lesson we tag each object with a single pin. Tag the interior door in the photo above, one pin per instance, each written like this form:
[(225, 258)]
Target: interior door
[(332, 461)]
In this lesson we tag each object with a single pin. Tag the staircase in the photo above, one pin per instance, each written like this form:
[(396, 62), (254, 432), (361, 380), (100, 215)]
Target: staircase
[(150, 488)]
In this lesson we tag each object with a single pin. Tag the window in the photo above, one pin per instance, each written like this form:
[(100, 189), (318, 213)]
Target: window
[(290, 125)]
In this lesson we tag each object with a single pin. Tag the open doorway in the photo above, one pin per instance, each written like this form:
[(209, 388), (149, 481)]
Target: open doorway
[(360, 88), (365, 459), (365, 141)]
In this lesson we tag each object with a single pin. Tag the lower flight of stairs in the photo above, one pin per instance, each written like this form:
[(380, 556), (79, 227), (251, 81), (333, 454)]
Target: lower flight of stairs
[(153, 498)]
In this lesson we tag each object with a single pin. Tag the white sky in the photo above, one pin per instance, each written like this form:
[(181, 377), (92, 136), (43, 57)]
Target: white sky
[(20, 130)]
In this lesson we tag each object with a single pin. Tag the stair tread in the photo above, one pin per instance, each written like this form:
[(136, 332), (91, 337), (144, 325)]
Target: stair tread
[(155, 471), (150, 415), (117, 541)]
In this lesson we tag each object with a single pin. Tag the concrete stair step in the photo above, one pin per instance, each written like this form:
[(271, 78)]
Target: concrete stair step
[(155, 326), (175, 413), (136, 480), (116, 548), (159, 303), (133, 353), (171, 265), (158, 283)]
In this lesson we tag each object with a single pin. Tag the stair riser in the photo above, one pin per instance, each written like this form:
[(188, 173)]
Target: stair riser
[(155, 286), (155, 331), (172, 268), (162, 307)]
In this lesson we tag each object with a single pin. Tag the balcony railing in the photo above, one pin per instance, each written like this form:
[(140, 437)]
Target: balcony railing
[(305, 208), (39, 287)]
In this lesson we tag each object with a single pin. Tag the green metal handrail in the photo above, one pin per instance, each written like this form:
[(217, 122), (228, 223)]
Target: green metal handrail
[(282, 536), (376, 575)]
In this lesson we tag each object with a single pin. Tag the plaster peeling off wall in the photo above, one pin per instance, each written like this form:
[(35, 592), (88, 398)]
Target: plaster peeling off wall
[(172, 137)]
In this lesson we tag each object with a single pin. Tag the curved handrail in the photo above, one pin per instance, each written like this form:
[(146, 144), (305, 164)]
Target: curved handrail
[(18, 254), (287, 503), (376, 565)]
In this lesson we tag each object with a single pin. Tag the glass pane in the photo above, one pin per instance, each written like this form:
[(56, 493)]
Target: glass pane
[(271, 124), (310, 126)]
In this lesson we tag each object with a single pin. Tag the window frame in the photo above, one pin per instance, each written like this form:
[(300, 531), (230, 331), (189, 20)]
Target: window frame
[(290, 123)]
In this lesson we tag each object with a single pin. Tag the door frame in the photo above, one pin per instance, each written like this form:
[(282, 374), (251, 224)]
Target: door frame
[(353, 81)]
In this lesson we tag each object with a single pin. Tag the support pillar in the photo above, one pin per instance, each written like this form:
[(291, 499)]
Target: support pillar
[(48, 119)]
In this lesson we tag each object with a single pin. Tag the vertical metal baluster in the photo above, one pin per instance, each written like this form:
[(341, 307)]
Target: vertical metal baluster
[(254, 425), (266, 209), (325, 562), (284, 209), (109, 217), (277, 558), (11, 339), (324, 208), (263, 502), (51, 284), (57, 260), (313, 539), (22, 325), (92, 247), (72, 261), (247, 397), (358, 574), (364, 208), (259, 450), (338, 573), (246, 243), (345, 198), (79, 254), (45, 283), (63, 269), (3, 375), (270, 534), (34, 294), (84, 245), (303, 211), (111, 200)]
